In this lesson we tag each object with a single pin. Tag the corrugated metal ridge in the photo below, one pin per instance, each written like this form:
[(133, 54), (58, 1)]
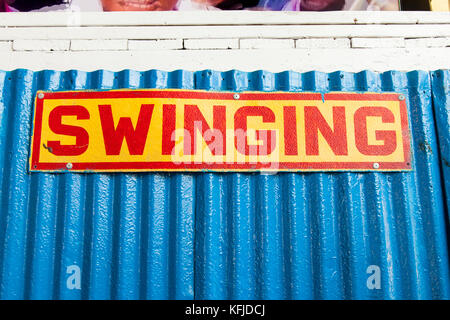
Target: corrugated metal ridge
[(441, 100), (213, 235)]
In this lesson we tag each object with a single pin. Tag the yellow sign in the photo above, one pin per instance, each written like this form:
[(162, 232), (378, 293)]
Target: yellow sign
[(180, 130)]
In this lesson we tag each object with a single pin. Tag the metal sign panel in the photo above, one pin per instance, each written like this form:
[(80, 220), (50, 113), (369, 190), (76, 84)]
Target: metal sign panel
[(193, 130)]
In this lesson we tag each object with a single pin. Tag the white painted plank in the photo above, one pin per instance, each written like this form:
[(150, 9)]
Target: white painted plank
[(100, 45), (378, 43), (220, 32), (266, 43), (326, 60), (330, 43), (5, 45), (41, 45), (139, 45), (211, 44), (428, 42)]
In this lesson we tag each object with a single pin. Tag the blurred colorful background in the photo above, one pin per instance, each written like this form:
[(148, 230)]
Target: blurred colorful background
[(164, 5)]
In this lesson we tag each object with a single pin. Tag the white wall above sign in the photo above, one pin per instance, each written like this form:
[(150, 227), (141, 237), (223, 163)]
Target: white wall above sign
[(244, 40)]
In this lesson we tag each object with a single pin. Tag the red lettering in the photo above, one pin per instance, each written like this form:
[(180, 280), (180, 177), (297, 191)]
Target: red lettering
[(80, 134), (135, 138), (194, 121), (266, 136), (168, 128), (387, 136), (290, 131), (336, 137)]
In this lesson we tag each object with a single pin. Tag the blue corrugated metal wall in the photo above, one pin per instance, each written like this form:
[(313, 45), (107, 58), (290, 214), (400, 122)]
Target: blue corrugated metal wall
[(231, 235), (441, 99)]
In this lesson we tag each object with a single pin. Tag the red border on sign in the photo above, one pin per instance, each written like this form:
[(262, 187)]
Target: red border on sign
[(170, 166), (37, 131)]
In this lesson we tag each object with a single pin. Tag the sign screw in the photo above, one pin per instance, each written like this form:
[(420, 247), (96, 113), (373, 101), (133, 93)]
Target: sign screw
[(69, 166), (236, 96), (401, 97), (376, 165), (41, 95)]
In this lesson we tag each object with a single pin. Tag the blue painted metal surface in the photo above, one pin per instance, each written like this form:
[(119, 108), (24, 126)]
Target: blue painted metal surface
[(230, 235), (441, 99)]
